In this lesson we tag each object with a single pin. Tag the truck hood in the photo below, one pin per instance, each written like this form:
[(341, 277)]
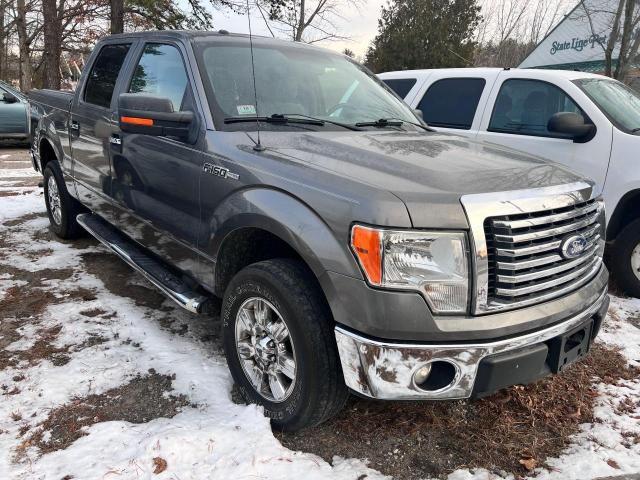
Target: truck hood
[(429, 172)]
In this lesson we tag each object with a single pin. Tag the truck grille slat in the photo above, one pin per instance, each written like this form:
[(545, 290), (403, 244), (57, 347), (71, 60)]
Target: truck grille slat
[(538, 234), (524, 251)]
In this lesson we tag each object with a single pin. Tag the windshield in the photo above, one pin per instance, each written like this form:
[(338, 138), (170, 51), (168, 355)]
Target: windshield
[(617, 101), (292, 79)]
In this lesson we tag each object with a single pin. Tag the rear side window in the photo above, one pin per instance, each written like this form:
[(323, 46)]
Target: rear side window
[(452, 102), (525, 106), (161, 73), (402, 86), (104, 74)]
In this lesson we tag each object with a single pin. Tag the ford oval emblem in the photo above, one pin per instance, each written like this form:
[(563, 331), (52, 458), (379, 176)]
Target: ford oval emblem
[(573, 246)]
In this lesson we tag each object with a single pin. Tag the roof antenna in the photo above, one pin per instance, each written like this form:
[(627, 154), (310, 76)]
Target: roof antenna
[(258, 146)]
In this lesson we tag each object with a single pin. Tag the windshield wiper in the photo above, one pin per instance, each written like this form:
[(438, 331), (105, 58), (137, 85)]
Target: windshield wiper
[(284, 118), (393, 122), (635, 130), (381, 123), (339, 124), (277, 119)]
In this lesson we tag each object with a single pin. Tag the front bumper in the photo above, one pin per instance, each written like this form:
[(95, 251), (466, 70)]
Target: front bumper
[(383, 370)]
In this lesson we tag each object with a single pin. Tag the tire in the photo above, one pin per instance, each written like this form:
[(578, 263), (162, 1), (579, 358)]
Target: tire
[(61, 207), (286, 290), (625, 259)]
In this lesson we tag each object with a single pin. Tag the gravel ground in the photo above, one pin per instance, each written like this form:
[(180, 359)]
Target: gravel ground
[(92, 358)]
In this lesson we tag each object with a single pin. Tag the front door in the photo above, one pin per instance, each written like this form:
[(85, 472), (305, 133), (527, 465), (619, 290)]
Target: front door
[(91, 125), (521, 112), (155, 182)]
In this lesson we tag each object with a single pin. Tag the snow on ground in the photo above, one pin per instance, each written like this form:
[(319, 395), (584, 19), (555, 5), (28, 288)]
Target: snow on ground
[(215, 438)]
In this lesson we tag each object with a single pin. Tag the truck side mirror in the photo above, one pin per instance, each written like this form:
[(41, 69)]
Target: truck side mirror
[(573, 124), (150, 115), (418, 113), (10, 97)]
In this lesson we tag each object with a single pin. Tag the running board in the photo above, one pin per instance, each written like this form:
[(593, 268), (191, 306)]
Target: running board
[(151, 268)]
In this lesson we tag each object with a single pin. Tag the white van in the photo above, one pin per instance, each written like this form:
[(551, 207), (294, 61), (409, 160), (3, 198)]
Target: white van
[(588, 122)]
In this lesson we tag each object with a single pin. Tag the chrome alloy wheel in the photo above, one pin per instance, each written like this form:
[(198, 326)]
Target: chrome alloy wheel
[(265, 349), (635, 261), (54, 200)]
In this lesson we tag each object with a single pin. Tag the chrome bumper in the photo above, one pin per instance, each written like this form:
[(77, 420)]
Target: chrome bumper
[(386, 370)]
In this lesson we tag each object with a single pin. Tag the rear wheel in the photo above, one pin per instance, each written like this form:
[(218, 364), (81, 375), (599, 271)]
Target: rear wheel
[(625, 259), (279, 344), (62, 208)]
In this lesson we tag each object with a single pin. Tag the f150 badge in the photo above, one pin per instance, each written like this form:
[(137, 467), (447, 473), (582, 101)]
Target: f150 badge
[(219, 171)]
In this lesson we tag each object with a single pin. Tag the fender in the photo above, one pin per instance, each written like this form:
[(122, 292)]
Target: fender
[(288, 218)]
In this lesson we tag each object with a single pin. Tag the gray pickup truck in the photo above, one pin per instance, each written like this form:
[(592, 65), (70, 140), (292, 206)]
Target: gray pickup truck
[(354, 248)]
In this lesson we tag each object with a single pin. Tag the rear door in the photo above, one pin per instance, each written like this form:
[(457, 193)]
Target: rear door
[(92, 122), (517, 116), (454, 101), (155, 181)]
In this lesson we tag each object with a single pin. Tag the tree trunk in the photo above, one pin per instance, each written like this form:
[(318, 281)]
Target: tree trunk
[(627, 31), (300, 29), (24, 46), (3, 37), (613, 38), (117, 16), (52, 42)]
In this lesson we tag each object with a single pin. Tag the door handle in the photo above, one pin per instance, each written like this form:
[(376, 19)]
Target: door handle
[(75, 127)]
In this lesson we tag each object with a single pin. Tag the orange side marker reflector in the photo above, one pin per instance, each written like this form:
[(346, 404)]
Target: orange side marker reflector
[(366, 245), (147, 122)]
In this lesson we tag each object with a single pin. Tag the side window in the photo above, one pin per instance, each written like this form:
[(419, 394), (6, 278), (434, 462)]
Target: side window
[(452, 102), (402, 86), (104, 74), (525, 106), (161, 73)]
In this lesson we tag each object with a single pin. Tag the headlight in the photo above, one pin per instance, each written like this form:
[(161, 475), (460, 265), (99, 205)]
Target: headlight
[(434, 263)]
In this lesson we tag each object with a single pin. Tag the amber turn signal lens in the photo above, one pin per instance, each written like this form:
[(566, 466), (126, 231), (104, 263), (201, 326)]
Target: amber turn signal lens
[(366, 245), (147, 122)]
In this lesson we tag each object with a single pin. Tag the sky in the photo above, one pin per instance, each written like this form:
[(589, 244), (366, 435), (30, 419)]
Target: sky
[(359, 24)]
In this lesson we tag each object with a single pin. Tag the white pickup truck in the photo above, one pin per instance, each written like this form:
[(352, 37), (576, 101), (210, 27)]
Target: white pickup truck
[(588, 122)]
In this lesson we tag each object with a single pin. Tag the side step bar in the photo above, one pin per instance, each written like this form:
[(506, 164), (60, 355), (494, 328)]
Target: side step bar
[(151, 268)]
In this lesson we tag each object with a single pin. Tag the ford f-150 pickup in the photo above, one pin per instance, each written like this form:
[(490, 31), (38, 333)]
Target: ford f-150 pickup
[(354, 248)]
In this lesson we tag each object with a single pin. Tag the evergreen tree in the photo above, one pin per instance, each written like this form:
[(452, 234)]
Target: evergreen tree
[(424, 34)]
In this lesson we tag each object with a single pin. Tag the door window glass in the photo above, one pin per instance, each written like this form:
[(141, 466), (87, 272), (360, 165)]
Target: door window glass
[(104, 74), (161, 73), (452, 102), (402, 86), (525, 107)]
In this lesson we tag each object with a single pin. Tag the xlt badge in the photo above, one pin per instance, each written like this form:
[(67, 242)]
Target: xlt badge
[(219, 171)]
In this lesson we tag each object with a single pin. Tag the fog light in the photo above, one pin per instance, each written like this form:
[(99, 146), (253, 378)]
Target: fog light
[(422, 374)]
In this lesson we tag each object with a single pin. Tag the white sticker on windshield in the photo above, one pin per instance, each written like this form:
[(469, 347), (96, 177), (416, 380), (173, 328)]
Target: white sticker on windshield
[(246, 110)]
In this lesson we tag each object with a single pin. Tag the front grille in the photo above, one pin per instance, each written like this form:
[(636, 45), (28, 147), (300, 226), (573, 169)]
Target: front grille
[(525, 259)]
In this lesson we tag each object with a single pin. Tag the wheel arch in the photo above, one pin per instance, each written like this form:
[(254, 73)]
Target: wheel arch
[(259, 224), (627, 210)]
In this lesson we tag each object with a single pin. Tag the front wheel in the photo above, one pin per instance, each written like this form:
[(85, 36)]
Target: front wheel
[(279, 343), (625, 259)]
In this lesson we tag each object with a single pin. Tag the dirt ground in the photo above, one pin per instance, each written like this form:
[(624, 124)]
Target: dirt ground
[(511, 432)]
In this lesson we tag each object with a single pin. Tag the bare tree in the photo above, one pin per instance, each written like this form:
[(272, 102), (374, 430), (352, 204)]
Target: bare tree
[(26, 36), (512, 28), (623, 23), (307, 21)]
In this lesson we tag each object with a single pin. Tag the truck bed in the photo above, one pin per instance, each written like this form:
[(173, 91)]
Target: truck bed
[(48, 99)]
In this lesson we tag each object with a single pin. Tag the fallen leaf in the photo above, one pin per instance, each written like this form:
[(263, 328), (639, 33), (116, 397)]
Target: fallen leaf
[(528, 463), (160, 465), (613, 464)]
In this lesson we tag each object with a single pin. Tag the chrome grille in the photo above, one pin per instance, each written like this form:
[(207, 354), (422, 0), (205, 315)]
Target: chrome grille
[(525, 262)]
